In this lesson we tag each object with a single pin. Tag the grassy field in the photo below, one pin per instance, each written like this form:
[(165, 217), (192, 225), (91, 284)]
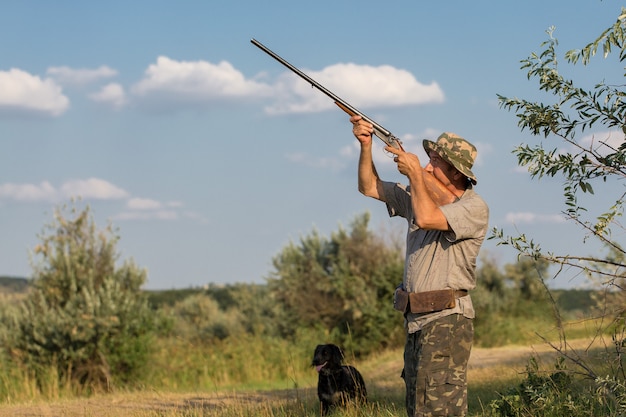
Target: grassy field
[(248, 375), (490, 371)]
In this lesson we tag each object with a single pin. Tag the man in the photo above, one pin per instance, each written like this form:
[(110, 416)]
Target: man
[(447, 223)]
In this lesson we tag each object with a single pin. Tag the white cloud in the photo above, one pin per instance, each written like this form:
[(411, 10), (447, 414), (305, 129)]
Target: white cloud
[(80, 76), (23, 92), (196, 81), (533, 218), (195, 216), (174, 204), (143, 204), (361, 85), (520, 169), (112, 94), (483, 150), (147, 215), (603, 142), (149, 209), (171, 82), (332, 163), (92, 188), (43, 191), (97, 189)]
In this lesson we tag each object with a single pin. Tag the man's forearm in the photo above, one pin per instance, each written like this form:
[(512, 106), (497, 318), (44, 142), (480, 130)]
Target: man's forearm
[(367, 175), (437, 191), (427, 195)]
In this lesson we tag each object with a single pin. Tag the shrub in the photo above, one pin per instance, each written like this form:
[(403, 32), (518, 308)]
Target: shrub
[(84, 316), (343, 286), (199, 318), (559, 394)]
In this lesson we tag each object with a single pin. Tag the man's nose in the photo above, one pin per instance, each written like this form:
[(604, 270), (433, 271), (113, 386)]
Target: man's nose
[(429, 167)]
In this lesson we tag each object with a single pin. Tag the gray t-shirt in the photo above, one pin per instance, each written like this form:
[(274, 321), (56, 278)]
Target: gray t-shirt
[(435, 259)]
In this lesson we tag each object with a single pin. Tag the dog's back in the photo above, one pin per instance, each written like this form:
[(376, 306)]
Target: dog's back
[(337, 383)]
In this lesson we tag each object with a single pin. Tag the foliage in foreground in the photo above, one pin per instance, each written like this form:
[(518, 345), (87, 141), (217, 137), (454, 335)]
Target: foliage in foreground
[(584, 165), (559, 394)]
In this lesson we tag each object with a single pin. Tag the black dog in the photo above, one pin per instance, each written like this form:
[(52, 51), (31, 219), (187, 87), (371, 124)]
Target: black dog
[(337, 383)]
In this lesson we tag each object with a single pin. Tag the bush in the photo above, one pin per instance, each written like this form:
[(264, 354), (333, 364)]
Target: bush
[(342, 286), (559, 394), (199, 318), (84, 316)]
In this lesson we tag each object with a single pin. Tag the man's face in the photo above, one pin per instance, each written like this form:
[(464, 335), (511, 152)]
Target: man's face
[(442, 170)]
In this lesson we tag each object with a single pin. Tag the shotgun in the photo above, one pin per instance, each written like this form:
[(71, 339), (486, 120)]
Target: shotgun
[(382, 133), (437, 190)]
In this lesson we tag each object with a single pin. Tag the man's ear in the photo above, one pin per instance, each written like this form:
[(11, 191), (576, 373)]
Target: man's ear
[(459, 178)]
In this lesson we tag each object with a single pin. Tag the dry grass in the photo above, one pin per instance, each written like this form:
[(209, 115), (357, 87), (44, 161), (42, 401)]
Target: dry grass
[(488, 370), (147, 404)]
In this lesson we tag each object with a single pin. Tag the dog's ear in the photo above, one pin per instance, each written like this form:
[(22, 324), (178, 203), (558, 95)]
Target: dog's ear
[(318, 351), (337, 354)]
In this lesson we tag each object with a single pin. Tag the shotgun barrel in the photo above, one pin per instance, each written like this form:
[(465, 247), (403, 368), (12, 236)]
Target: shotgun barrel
[(382, 133)]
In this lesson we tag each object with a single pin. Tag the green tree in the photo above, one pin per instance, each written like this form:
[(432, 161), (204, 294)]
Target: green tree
[(527, 276), (255, 303), (490, 278), (510, 303), (85, 316), (342, 286), (584, 166), (198, 317)]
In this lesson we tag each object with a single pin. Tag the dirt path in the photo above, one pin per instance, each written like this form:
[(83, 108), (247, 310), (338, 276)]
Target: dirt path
[(143, 404)]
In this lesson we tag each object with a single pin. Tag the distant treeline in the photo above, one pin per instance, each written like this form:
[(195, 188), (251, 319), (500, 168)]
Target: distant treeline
[(568, 300), (13, 284)]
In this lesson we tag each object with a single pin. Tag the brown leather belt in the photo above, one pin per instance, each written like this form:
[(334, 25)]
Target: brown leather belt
[(460, 293), (428, 301)]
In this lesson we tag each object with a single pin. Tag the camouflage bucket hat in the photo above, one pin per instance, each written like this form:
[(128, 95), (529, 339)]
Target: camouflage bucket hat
[(456, 151)]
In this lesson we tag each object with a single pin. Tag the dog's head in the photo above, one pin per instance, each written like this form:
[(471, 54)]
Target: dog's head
[(327, 357)]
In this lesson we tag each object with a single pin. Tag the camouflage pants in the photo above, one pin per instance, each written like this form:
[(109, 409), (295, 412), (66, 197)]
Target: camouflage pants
[(435, 367)]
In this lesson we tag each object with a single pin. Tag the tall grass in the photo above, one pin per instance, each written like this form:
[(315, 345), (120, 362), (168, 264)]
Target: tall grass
[(261, 387), (246, 375), (243, 362), (294, 396)]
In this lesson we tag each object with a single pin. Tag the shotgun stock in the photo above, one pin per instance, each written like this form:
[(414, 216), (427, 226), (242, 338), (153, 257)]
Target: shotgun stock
[(382, 133)]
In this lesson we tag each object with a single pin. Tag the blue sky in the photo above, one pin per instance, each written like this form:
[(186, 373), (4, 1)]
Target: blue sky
[(209, 156)]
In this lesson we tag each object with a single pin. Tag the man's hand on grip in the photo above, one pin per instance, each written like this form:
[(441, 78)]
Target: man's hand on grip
[(362, 130)]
